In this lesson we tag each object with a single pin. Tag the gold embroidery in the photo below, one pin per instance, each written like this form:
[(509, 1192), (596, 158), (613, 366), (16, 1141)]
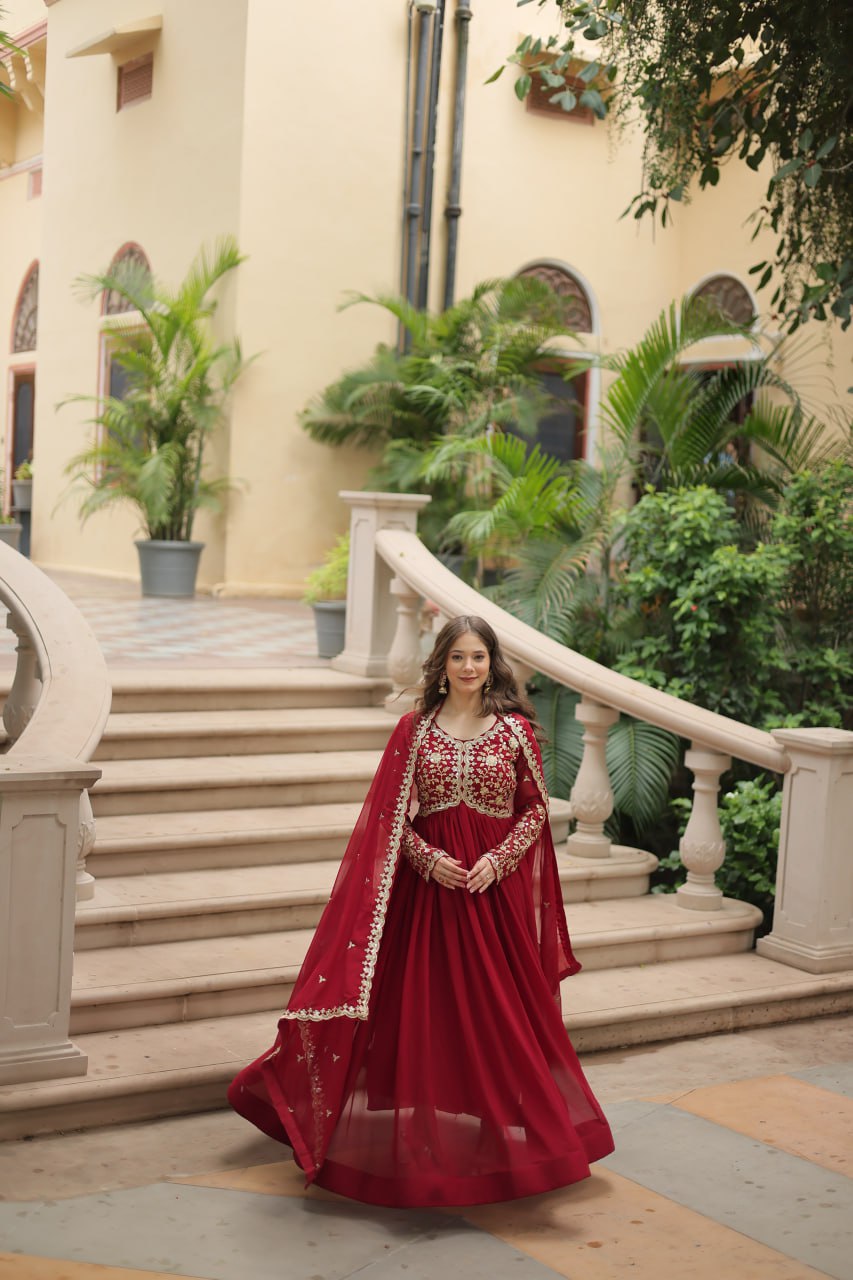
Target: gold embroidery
[(479, 772), (361, 1007)]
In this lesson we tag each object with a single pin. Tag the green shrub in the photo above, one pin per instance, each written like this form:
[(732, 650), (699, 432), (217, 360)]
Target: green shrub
[(329, 581)]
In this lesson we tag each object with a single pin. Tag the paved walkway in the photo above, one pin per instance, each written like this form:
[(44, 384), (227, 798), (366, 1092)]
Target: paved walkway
[(732, 1162), (746, 1178)]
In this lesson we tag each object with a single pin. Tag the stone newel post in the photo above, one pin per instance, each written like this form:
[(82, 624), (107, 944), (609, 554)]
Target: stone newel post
[(813, 916), (371, 612), (39, 834)]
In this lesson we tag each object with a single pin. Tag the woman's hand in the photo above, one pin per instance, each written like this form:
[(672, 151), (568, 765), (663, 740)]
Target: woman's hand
[(481, 875), (448, 872)]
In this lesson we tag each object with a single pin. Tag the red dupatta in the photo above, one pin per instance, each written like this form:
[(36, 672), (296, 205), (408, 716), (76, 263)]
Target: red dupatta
[(304, 1074)]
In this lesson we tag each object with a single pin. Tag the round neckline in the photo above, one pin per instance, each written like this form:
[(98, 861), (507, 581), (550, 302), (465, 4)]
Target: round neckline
[(476, 738)]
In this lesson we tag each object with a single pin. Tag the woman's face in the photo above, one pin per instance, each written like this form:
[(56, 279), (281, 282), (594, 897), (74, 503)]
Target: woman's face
[(467, 663)]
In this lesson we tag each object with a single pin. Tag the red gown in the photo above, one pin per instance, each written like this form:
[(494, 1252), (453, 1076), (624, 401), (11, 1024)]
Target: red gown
[(423, 1059)]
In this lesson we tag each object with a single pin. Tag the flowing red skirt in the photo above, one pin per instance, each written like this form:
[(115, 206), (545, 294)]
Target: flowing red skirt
[(463, 1086)]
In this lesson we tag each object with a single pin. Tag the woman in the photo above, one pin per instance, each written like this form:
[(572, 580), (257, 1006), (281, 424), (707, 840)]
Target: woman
[(422, 1059)]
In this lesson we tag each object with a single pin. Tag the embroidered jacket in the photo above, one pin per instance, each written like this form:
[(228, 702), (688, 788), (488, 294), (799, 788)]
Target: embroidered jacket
[(491, 774)]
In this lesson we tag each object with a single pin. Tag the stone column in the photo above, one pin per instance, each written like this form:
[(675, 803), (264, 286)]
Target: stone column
[(371, 616), (592, 795), (39, 828), (813, 916), (702, 846)]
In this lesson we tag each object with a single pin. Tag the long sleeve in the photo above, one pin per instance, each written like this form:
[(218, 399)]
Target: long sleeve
[(530, 817), (421, 855)]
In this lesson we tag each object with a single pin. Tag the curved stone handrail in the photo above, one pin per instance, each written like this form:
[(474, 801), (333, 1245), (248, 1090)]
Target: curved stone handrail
[(69, 715), (408, 558)]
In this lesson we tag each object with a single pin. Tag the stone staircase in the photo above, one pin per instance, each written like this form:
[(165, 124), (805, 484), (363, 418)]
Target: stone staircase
[(224, 807)]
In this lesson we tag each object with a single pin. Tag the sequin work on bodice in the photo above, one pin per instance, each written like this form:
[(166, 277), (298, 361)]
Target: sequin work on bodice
[(479, 772)]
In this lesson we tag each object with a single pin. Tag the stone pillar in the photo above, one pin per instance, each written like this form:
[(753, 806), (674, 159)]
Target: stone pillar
[(39, 829), (404, 656), (592, 795), (813, 916), (702, 846), (371, 616)]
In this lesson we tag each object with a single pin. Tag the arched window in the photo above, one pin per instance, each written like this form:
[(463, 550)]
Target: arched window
[(732, 298), (114, 303), (562, 431), (564, 283), (25, 328)]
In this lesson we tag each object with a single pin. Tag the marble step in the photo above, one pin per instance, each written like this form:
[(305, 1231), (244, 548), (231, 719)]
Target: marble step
[(140, 689), (269, 730), (181, 1067), (202, 977), (137, 910), (230, 782), (136, 844)]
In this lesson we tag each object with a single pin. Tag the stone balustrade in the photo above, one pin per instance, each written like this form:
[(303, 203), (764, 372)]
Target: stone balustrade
[(54, 716), (391, 571)]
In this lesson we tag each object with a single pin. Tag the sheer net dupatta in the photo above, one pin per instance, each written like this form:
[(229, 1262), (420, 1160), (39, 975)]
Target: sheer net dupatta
[(555, 948), (294, 1092)]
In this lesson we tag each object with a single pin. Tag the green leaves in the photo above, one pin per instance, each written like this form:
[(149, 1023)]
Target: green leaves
[(148, 450), (522, 86), (729, 85), (641, 758)]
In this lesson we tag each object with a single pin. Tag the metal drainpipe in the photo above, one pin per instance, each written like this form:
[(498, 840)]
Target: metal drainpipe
[(432, 123), (407, 131), (452, 209), (425, 9)]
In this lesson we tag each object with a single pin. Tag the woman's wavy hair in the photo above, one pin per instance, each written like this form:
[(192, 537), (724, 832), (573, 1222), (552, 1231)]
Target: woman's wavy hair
[(504, 696)]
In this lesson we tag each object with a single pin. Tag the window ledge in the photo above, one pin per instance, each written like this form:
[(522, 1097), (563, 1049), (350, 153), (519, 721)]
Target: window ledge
[(130, 38)]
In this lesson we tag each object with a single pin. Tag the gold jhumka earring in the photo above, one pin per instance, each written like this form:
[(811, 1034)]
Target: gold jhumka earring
[(442, 685)]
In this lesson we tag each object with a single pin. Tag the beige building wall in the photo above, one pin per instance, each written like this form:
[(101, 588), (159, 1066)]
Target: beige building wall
[(284, 124), (163, 173), (321, 185)]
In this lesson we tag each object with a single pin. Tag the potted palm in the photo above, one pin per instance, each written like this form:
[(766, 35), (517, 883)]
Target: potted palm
[(326, 592), (22, 487), (10, 528), (149, 445)]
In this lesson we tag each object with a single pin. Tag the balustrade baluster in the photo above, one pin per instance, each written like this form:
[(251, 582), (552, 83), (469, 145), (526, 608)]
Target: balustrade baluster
[(702, 846), (592, 795), (404, 656), (26, 685), (85, 845)]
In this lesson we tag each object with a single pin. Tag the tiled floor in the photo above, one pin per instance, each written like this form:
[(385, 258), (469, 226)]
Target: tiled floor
[(203, 632)]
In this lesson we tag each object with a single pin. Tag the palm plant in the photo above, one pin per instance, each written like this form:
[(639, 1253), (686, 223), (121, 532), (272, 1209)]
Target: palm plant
[(149, 445), (464, 369)]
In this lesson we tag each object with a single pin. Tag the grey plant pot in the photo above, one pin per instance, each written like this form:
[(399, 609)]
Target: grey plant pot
[(168, 568), (11, 533), (22, 495), (330, 621)]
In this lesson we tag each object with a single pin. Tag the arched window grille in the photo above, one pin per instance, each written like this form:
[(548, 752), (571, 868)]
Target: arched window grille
[(25, 330), (114, 303), (579, 318), (730, 296)]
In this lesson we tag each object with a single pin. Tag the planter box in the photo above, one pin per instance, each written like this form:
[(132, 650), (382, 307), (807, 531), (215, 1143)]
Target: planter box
[(11, 533), (22, 495), (330, 621), (168, 568)]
